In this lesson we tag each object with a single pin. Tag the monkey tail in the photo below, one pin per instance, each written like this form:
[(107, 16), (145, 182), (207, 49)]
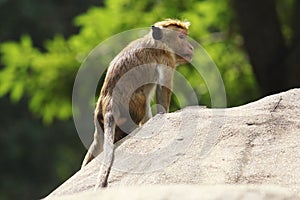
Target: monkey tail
[(109, 149)]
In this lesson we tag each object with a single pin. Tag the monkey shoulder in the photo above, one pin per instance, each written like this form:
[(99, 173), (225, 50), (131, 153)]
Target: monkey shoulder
[(136, 54)]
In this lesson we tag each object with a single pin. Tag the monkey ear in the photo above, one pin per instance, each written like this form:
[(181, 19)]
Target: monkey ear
[(156, 33)]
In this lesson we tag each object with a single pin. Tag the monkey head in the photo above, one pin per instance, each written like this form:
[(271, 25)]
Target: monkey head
[(173, 33)]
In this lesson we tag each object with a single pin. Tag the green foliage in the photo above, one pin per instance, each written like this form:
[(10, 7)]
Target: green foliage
[(46, 76)]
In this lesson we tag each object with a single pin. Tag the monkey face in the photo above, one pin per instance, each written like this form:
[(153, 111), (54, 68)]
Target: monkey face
[(176, 39), (184, 50)]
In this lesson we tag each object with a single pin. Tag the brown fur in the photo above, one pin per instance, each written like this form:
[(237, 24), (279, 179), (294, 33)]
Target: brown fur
[(171, 50)]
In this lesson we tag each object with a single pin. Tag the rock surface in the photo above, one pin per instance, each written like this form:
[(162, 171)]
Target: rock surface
[(187, 192), (255, 144)]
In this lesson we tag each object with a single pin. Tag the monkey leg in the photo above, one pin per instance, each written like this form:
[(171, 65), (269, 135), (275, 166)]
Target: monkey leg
[(109, 148), (148, 114), (88, 156), (97, 146), (95, 149)]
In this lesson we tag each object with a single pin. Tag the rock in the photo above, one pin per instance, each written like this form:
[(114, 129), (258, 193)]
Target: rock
[(186, 192), (258, 143)]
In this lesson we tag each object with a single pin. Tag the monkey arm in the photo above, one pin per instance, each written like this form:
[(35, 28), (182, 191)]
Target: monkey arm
[(163, 98)]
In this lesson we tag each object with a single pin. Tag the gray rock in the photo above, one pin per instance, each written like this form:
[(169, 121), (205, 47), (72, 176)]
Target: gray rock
[(186, 192), (255, 144)]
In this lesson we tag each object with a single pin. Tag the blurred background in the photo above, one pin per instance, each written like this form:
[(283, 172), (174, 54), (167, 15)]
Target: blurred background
[(255, 44)]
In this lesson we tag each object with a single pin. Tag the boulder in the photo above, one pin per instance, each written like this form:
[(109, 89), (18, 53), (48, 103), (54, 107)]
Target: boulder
[(244, 150), (186, 192)]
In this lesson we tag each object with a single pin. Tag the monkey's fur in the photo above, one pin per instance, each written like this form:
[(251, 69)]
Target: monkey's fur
[(165, 46)]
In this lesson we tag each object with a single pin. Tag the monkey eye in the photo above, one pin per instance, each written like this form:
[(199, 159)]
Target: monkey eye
[(182, 36)]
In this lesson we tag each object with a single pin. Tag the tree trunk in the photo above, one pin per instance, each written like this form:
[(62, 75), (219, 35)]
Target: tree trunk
[(264, 42), (293, 60)]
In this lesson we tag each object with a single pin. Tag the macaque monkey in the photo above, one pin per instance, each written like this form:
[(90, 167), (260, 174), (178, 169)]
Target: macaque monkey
[(155, 57)]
